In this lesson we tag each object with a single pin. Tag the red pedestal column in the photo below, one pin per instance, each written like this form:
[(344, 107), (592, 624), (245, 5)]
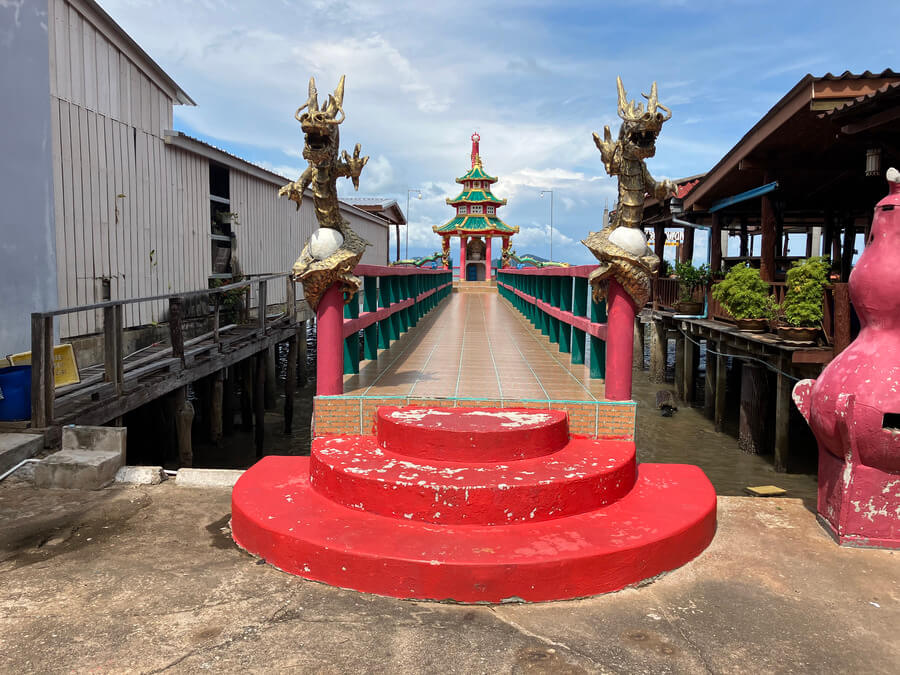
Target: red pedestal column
[(330, 343), (621, 311), (462, 258), (487, 254)]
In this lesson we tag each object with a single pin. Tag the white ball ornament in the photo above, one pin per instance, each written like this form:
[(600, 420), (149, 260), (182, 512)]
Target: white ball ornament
[(324, 242), (631, 239)]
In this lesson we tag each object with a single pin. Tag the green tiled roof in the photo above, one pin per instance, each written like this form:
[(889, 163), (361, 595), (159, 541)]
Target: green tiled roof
[(477, 173), (475, 225), (476, 196)]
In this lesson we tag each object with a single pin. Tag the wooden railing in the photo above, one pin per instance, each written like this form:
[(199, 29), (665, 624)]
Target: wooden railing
[(556, 301), (110, 383), (392, 301)]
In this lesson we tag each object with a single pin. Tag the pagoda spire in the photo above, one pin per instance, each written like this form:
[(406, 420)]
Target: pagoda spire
[(476, 157)]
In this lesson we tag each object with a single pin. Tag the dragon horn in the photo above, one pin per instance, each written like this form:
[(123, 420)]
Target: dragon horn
[(623, 103), (339, 93), (336, 103), (313, 102), (652, 100)]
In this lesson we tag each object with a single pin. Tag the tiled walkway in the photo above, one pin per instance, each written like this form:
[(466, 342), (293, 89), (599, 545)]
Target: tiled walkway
[(475, 345)]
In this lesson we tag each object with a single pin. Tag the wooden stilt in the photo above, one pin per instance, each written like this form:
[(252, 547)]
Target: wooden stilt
[(658, 349), (228, 402), (709, 389), (784, 387), (638, 355), (751, 434), (290, 384), (184, 418), (721, 386), (679, 365), (216, 394), (246, 368), (259, 402), (270, 378), (301, 354), (691, 360)]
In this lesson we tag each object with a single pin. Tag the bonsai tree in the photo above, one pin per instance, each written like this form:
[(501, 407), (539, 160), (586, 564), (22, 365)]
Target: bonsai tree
[(806, 280), (690, 278), (744, 294)]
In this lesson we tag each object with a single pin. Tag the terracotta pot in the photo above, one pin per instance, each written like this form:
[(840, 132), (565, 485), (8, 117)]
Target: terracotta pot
[(690, 307), (798, 333), (753, 325)]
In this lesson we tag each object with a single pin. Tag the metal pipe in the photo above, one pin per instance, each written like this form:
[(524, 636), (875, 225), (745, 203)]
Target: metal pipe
[(16, 467)]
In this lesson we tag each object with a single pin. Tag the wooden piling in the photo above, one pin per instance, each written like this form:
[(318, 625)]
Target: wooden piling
[(228, 401), (658, 350), (691, 361), (752, 430), (270, 378), (784, 387), (259, 401), (302, 375), (184, 419), (216, 394), (246, 368), (638, 352), (721, 386), (290, 383), (679, 365), (709, 389)]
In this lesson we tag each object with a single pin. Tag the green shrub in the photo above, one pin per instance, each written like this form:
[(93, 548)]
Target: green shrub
[(806, 281), (690, 278), (744, 294)]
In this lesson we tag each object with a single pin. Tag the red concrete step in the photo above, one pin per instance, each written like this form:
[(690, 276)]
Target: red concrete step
[(667, 519), (472, 434), (584, 475)]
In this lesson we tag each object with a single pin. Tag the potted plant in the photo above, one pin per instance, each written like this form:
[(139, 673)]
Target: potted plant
[(746, 297), (802, 310), (690, 278)]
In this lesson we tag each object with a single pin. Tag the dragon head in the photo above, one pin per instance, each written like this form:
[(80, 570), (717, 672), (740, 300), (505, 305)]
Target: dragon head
[(321, 126), (640, 127)]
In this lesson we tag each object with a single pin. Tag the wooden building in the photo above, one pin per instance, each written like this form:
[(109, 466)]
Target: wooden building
[(135, 208)]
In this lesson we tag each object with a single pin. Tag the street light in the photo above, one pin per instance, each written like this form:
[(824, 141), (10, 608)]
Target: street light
[(551, 219), (418, 196)]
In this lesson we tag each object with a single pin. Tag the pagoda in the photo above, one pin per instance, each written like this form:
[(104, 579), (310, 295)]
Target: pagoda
[(476, 221)]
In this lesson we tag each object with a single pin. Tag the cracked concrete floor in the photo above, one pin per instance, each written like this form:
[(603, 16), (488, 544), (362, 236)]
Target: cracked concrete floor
[(146, 580)]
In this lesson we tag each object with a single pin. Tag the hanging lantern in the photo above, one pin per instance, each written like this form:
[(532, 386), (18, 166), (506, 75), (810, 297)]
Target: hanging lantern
[(873, 162)]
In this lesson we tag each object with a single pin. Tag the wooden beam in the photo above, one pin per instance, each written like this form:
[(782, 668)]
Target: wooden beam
[(769, 241), (721, 387), (754, 396), (783, 404), (873, 121), (42, 379)]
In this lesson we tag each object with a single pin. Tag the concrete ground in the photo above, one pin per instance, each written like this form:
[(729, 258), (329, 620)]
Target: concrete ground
[(146, 579)]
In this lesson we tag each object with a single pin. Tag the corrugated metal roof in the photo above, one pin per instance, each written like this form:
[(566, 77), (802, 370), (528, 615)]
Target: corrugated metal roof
[(890, 86)]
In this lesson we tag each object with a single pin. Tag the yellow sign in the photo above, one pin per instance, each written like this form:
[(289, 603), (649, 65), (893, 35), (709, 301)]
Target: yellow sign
[(65, 370)]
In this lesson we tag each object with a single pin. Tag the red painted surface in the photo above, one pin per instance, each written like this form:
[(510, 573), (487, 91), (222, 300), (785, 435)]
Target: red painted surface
[(462, 258), (351, 326), (330, 343), (487, 256), (472, 434), (859, 449), (619, 342), (598, 330), (307, 527)]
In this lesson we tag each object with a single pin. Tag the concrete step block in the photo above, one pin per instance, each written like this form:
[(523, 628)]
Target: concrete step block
[(78, 437), (141, 475), (16, 447), (78, 469)]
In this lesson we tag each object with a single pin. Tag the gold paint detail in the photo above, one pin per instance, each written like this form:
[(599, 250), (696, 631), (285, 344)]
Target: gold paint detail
[(326, 165)]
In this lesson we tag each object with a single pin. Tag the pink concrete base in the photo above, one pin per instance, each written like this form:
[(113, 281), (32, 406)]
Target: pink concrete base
[(569, 523)]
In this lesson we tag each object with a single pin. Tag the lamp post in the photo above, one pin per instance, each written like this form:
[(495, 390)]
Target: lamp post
[(551, 220), (409, 191)]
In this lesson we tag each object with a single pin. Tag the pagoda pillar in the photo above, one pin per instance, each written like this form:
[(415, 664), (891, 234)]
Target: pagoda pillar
[(462, 258), (487, 255)]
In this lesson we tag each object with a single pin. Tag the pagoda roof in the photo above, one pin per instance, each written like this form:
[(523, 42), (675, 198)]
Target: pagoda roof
[(475, 224), (477, 173), (476, 197)]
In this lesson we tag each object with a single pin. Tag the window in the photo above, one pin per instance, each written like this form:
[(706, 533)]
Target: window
[(490, 210), (476, 184), (461, 210), (476, 208)]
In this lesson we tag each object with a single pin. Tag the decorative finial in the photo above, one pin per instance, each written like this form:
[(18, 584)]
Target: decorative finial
[(476, 157)]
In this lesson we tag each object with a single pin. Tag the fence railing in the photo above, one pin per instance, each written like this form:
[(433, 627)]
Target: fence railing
[(557, 301), (392, 301), (178, 355)]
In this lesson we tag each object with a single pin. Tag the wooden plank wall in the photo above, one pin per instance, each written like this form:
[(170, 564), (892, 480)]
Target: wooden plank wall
[(108, 119)]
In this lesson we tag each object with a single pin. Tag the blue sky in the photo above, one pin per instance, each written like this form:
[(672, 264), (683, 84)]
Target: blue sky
[(533, 78)]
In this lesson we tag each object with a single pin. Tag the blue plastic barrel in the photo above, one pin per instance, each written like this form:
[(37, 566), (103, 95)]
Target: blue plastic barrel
[(15, 393)]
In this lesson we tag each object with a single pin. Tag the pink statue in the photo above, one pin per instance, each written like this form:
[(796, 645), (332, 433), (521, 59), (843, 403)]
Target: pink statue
[(853, 407)]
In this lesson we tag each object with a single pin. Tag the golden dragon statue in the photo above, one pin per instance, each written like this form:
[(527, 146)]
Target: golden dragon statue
[(621, 246), (334, 249)]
